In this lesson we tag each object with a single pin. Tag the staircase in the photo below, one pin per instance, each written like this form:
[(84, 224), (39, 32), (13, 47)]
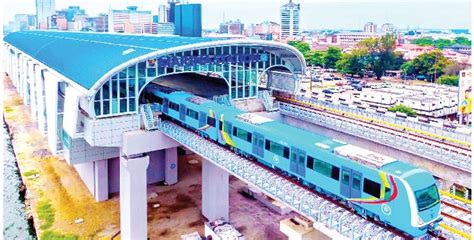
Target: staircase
[(268, 101), (149, 120)]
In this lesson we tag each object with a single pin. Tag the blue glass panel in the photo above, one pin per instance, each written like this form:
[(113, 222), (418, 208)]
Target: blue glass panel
[(123, 105), (106, 107), (141, 69), (132, 71), (131, 104)]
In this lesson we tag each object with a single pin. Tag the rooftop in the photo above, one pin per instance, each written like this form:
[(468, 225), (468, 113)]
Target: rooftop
[(91, 55)]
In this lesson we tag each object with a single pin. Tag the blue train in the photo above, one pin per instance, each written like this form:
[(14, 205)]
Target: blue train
[(376, 186)]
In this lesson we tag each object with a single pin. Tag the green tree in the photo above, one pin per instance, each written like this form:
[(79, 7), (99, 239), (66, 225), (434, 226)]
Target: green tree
[(430, 64), (408, 68), (353, 63), (333, 54), (315, 58), (303, 47), (442, 43), (403, 109), (451, 80), (462, 41), (424, 41), (381, 56)]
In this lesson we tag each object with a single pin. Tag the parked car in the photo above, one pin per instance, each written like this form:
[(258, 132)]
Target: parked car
[(329, 90), (348, 87), (357, 87)]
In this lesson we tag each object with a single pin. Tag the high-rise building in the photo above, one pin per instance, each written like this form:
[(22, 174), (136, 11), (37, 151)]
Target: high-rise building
[(101, 23), (130, 20), (388, 28), (44, 10), (232, 27), (370, 27), (188, 20), (290, 20), (171, 14), (163, 11)]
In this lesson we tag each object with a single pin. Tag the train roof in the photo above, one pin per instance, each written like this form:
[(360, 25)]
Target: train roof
[(305, 138), (399, 168)]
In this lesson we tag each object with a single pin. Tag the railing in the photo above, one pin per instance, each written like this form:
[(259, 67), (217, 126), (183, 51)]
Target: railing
[(267, 100), (465, 137), (419, 146), (307, 203), (222, 99), (150, 122)]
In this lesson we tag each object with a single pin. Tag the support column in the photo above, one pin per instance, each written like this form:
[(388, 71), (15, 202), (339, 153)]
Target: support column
[(171, 165), (40, 99), (51, 93), (33, 91), (215, 191), (101, 177), (133, 197)]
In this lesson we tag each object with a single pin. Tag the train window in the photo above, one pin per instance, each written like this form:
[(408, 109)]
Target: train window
[(242, 134), (277, 148), (173, 106), (192, 114), (221, 125), (211, 121), (326, 169), (335, 173), (309, 163), (159, 100), (356, 182), (372, 188), (345, 177)]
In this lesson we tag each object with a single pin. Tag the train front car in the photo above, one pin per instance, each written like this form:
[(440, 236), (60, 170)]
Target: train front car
[(420, 198)]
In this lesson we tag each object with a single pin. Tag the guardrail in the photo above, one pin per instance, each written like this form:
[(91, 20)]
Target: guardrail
[(398, 141), (422, 127)]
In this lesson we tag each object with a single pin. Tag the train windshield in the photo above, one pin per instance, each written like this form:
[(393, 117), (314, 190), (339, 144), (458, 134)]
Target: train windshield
[(427, 197)]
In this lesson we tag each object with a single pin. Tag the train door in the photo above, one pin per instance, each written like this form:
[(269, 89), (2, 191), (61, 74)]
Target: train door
[(165, 105), (182, 112), (257, 144), (351, 183), (202, 119), (297, 161)]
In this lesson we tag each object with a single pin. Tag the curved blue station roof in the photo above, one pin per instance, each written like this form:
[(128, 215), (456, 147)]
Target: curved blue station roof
[(86, 57)]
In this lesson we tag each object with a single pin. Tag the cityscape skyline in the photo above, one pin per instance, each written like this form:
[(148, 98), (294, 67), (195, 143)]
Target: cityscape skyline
[(356, 14)]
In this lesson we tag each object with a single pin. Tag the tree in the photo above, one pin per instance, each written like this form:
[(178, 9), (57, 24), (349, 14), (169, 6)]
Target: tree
[(381, 56), (424, 41), (453, 68), (462, 41), (408, 68), (353, 63), (303, 47), (430, 64), (403, 109), (333, 54), (451, 80), (442, 43), (315, 58)]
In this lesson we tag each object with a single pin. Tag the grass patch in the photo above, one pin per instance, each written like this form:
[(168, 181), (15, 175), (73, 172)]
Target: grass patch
[(46, 214), (30, 173), (50, 235)]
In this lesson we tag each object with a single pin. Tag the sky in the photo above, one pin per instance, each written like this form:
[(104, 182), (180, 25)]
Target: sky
[(315, 14)]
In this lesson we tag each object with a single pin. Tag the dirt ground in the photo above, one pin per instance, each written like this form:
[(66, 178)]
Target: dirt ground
[(50, 179)]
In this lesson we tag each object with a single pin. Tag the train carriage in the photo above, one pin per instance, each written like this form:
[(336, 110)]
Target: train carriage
[(386, 189)]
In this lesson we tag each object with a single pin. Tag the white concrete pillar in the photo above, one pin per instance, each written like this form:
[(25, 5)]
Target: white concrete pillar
[(171, 165), (101, 190), (33, 90), (40, 98), (133, 197), (51, 92), (215, 191)]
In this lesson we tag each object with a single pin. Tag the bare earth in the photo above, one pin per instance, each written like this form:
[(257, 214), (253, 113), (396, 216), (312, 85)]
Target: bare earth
[(56, 182)]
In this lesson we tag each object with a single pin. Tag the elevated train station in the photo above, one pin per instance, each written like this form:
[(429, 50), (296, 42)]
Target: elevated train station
[(93, 111)]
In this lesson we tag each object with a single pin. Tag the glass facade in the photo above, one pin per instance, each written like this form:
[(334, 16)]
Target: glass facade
[(188, 20), (119, 94)]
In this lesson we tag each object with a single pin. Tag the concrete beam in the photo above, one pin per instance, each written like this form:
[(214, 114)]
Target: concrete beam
[(137, 142), (215, 191), (133, 197)]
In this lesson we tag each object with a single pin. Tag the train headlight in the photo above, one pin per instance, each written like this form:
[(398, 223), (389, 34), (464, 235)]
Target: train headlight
[(420, 221)]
